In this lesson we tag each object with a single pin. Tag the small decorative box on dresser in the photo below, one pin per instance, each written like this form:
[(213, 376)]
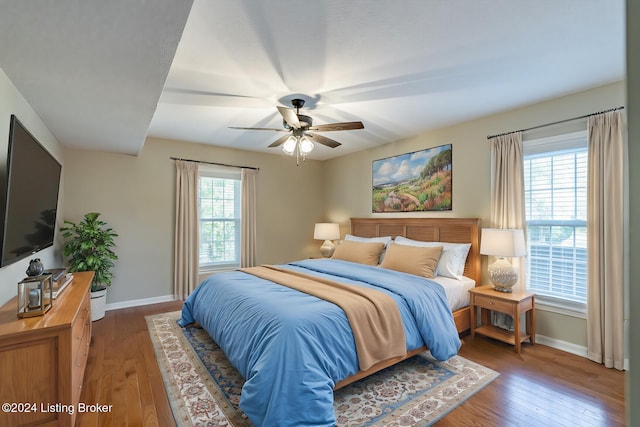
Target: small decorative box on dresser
[(511, 303), (42, 359)]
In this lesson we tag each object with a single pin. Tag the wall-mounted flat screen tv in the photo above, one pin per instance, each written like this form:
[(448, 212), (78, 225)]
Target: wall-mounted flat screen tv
[(31, 185)]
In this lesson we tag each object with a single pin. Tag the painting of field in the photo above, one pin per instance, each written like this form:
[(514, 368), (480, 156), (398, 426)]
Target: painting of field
[(413, 182)]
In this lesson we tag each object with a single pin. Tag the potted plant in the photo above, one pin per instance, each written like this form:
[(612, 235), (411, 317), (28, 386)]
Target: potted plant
[(89, 246)]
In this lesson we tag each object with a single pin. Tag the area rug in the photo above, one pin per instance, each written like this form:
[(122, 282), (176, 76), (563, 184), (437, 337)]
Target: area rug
[(204, 388)]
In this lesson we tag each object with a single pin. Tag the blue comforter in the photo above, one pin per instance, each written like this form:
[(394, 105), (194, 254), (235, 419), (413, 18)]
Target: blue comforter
[(292, 348)]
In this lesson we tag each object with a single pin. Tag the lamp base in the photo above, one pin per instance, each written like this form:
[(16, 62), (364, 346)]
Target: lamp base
[(327, 248), (502, 275)]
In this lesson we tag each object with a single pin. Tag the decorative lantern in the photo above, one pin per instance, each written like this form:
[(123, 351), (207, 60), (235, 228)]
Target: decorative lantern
[(35, 295)]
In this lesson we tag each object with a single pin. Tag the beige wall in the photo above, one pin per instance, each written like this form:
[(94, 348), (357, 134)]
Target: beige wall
[(136, 197), (348, 178), (12, 102)]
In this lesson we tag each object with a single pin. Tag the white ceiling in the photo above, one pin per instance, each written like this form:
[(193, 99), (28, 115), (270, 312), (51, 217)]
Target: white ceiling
[(94, 70)]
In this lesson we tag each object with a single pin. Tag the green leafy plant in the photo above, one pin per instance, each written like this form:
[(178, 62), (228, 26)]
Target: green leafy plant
[(89, 247)]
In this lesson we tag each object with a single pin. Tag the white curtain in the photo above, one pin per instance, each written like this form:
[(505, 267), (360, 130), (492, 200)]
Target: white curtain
[(605, 240), (507, 200), (185, 277), (248, 233)]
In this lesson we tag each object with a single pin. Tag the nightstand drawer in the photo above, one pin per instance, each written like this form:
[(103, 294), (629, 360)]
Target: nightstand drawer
[(491, 303)]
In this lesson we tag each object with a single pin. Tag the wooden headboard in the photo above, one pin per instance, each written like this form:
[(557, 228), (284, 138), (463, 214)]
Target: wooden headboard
[(452, 230)]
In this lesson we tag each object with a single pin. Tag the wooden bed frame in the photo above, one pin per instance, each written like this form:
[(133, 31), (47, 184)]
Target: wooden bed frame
[(452, 230)]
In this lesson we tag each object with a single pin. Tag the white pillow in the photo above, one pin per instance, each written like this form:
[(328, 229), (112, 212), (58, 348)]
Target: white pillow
[(454, 255), (386, 240)]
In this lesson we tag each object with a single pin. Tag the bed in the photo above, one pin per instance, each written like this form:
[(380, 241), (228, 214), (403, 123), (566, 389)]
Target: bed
[(454, 230), (295, 349)]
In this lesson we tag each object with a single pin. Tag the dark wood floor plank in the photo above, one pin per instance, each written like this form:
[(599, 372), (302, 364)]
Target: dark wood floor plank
[(132, 394), (540, 386), (147, 402)]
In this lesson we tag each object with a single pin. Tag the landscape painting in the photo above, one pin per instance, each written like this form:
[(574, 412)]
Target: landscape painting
[(413, 182)]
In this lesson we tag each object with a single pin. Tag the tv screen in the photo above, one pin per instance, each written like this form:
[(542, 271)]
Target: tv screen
[(32, 183)]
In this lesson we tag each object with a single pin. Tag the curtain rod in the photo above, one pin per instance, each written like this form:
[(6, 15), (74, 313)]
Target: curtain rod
[(214, 163), (558, 122)]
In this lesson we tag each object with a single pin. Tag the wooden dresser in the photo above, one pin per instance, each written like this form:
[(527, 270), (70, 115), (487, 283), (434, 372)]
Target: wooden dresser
[(42, 359)]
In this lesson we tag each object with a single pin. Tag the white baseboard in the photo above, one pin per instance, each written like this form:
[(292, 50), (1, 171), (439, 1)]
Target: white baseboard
[(576, 349), (138, 302)]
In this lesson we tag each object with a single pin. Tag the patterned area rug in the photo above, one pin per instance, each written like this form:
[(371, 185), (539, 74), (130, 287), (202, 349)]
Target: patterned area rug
[(204, 388)]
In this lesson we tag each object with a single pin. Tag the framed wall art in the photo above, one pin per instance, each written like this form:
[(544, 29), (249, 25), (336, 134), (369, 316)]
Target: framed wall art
[(413, 182)]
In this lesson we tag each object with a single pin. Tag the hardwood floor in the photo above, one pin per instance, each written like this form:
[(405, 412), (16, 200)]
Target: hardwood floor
[(539, 387), (122, 371)]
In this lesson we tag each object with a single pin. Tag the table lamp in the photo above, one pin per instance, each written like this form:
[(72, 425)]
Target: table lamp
[(503, 243), (327, 231)]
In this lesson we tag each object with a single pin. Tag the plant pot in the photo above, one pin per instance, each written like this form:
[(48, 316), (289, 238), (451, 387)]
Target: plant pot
[(98, 301)]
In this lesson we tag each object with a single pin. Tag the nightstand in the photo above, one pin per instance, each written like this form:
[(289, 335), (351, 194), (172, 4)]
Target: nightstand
[(513, 304)]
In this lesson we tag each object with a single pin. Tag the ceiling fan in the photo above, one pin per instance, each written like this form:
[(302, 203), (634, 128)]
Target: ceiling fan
[(300, 127)]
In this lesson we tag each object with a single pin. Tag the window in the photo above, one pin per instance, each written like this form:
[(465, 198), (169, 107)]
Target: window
[(219, 207), (555, 177)]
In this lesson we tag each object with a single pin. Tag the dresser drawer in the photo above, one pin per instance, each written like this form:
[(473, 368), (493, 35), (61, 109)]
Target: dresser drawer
[(492, 303), (80, 325), (81, 339)]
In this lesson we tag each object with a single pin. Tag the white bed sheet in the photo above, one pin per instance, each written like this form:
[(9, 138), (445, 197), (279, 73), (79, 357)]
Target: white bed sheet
[(457, 291)]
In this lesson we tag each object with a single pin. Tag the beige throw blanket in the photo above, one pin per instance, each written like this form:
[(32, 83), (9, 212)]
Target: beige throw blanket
[(373, 315)]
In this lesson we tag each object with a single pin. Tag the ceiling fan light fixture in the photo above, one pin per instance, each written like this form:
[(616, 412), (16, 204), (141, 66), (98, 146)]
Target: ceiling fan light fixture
[(306, 146), (299, 142), (289, 147)]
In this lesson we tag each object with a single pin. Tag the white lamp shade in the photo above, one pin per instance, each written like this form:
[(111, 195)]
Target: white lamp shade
[(503, 242), (306, 146), (326, 231), (290, 145)]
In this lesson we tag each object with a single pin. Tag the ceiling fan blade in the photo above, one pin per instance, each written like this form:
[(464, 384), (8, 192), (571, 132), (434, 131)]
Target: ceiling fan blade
[(337, 126), (323, 140), (278, 142), (290, 117), (271, 129)]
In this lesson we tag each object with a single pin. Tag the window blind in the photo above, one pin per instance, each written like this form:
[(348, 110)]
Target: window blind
[(219, 212), (555, 172)]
